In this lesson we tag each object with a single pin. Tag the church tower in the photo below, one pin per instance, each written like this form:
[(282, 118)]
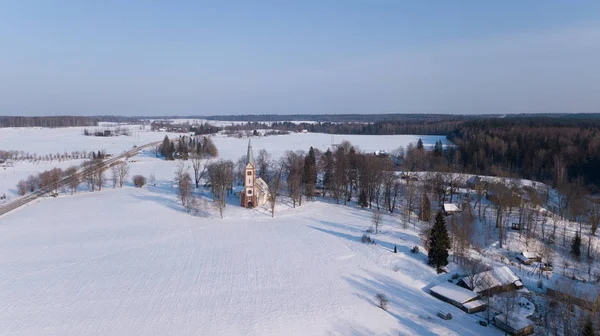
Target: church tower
[(248, 196)]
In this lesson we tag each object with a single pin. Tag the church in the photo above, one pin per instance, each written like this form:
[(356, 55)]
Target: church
[(256, 190)]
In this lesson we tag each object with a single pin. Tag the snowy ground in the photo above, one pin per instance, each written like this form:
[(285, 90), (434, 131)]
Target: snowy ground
[(43, 141), (130, 261)]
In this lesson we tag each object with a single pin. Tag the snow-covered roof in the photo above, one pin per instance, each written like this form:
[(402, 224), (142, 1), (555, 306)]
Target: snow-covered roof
[(451, 207), (454, 292), (473, 304), (497, 277), (262, 185), (515, 321), (530, 255)]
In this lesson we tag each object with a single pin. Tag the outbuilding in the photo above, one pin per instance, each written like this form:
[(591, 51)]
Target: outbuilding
[(451, 208), (462, 298), (514, 324)]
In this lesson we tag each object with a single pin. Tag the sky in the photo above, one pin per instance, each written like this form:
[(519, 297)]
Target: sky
[(146, 57)]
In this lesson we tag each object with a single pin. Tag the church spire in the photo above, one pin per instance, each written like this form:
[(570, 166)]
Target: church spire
[(250, 155)]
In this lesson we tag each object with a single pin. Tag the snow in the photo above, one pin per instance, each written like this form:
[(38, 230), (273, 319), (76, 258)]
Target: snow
[(499, 276), (454, 292), (130, 261), (451, 207), (514, 321)]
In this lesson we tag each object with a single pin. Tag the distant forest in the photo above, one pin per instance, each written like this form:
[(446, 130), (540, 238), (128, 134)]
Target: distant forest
[(51, 121), (560, 149)]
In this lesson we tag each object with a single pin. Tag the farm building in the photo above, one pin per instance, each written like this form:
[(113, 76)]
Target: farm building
[(527, 257), (462, 298), (578, 292), (451, 208), (497, 280), (515, 325)]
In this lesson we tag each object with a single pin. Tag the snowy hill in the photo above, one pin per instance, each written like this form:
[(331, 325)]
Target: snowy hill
[(129, 261)]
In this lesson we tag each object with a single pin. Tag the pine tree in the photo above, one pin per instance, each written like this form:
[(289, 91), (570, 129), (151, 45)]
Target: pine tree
[(164, 147), (362, 199), (588, 328), (439, 243), (576, 245), (328, 170), (420, 144), (309, 174)]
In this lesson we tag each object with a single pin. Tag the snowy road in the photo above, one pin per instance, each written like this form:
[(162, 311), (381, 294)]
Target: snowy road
[(126, 262)]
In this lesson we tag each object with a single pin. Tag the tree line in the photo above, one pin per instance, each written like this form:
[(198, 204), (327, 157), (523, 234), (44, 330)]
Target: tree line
[(50, 121)]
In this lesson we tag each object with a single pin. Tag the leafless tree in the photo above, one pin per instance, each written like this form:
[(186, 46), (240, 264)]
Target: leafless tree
[(274, 185), (139, 181), (294, 164), (376, 219), (220, 175), (22, 187), (382, 301), (263, 159), (199, 167)]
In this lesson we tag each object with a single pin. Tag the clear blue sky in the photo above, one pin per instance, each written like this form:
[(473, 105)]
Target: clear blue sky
[(134, 57)]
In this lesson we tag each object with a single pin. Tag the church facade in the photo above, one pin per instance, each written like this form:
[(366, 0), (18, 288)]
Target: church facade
[(256, 190)]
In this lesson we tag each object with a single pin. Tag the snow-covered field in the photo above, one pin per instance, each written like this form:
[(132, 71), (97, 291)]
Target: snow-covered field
[(43, 141), (129, 261)]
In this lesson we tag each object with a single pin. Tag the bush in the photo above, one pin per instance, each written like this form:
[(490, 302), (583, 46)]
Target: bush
[(367, 239), (139, 181), (382, 301)]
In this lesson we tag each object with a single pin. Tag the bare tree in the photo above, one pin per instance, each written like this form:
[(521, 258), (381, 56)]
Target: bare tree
[(220, 175), (376, 219), (382, 301), (275, 179), (294, 164), (199, 167), (139, 181)]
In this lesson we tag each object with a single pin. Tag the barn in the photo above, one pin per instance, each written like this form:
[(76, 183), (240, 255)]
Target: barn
[(462, 298)]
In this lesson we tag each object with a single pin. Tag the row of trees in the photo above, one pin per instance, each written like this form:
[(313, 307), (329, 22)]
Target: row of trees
[(33, 157), (50, 121), (91, 172)]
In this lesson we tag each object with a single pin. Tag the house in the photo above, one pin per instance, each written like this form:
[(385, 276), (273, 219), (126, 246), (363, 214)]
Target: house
[(526, 257), (515, 325), (465, 299), (583, 294), (256, 191), (451, 208), (497, 280)]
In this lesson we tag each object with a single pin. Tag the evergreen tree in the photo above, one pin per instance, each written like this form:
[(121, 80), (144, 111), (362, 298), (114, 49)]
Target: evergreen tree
[(164, 148), (588, 328), (362, 199), (328, 169), (576, 245), (420, 144), (438, 149), (309, 174), (439, 243)]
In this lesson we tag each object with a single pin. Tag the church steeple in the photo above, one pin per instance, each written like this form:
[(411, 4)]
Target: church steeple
[(250, 155)]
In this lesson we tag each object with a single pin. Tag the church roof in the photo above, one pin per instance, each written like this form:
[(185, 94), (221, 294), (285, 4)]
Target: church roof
[(250, 155)]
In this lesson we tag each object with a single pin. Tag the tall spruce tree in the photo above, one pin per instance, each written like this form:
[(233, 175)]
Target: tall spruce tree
[(328, 170), (309, 174), (576, 245), (420, 144), (439, 243), (588, 328)]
